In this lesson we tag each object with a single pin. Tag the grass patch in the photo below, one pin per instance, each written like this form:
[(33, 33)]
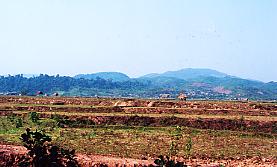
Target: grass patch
[(139, 141)]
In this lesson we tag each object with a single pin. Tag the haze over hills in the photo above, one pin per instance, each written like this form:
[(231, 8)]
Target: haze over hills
[(196, 83), (188, 73), (115, 76), (184, 74)]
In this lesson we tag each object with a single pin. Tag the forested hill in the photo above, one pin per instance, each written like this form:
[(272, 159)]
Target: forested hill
[(115, 76), (200, 87), (64, 84)]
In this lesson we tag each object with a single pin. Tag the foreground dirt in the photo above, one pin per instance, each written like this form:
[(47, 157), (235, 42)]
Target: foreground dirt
[(254, 117), (9, 153)]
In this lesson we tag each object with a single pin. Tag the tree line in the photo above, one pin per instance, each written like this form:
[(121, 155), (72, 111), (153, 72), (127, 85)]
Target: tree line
[(50, 84)]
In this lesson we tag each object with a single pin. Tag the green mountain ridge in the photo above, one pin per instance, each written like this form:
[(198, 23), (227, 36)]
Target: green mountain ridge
[(196, 83), (188, 73), (115, 76), (206, 83)]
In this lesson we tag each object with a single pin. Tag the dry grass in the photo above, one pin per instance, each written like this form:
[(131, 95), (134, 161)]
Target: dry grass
[(232, 117), (139, 142), (142, 142)]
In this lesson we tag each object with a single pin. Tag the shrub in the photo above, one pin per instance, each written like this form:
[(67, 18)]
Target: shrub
[(42, 154), (178, 132), (11, 117), (33, 116), (19, 122), (173, 149), (188, 146), (165, 161)]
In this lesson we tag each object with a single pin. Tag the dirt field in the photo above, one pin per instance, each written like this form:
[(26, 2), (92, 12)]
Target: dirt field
[(136, 131)]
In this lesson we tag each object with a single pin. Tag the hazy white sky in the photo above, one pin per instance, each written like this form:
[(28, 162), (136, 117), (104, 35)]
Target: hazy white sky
[(136, 37)]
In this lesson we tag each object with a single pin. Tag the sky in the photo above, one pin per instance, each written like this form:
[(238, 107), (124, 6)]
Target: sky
[(136, 37)]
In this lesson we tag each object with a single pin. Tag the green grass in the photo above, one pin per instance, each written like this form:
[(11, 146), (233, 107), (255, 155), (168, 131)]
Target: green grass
[(138, 141)]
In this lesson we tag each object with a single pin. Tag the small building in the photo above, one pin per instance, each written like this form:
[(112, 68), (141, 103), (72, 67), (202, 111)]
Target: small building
[(11, 93), (55, 94), (164, 96), (243, 99), (39, 93), (182, 97)]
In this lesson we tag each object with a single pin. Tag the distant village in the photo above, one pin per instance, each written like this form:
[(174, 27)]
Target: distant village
[(193, 95), (38, 93)]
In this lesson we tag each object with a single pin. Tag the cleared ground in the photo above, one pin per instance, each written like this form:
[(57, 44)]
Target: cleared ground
[(143, 129)]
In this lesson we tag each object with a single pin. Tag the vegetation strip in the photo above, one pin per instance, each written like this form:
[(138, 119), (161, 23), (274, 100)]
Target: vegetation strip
[(250, 118), (140, 110), (74, 120)]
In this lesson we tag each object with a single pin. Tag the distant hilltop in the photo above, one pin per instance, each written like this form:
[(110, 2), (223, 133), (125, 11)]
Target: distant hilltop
[(195, 83), (186, 73), (115, 76)]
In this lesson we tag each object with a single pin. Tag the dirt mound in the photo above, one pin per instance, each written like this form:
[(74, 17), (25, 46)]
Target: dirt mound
[(129, 103), (216, 105)]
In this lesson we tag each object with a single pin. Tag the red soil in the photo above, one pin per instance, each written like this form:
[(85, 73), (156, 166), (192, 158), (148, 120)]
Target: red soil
[(10, 154)]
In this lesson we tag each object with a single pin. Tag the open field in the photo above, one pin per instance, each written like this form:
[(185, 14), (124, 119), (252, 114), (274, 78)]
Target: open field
[(219, 132)]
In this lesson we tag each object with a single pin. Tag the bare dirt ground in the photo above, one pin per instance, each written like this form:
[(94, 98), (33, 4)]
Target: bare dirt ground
[(217, 115), (255, 117), (7, 152)]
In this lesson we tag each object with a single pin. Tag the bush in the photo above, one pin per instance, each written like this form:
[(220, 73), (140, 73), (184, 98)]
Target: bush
[(188, 146), (42, 154), (33, 116), (19, 123), (165, 161)]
